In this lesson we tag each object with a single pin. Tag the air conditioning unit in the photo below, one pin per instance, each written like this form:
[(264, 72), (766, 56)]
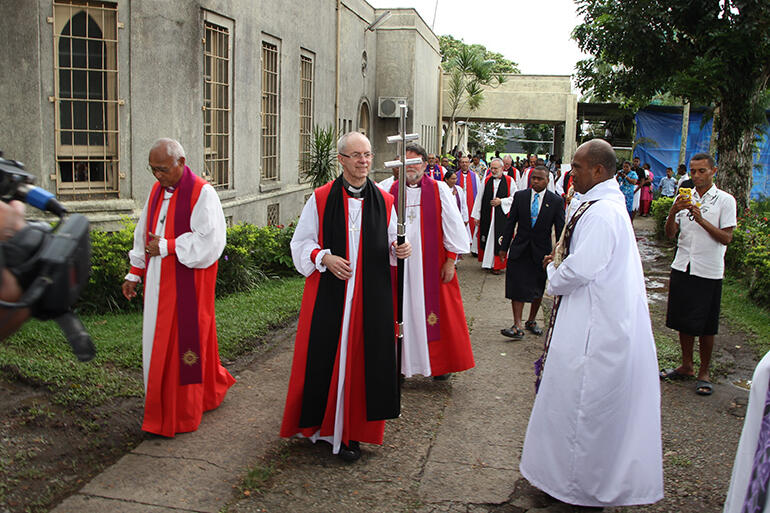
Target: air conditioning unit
[(387, 106)]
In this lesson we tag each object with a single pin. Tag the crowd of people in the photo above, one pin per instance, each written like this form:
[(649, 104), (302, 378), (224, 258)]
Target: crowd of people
[(594, 434)]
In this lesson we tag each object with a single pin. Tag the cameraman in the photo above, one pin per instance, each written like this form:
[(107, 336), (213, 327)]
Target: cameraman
[(11, 221)]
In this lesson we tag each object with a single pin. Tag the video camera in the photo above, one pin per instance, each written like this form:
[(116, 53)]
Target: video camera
[(51, 264)]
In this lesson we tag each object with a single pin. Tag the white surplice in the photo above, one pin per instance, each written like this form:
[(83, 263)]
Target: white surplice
[(463, 209), (198, 249), (414, 355), (747, 446), (593, 437), (304, 241), (489, 247)]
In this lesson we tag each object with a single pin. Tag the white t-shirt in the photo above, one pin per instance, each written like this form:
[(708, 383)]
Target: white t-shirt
[(696, 247)]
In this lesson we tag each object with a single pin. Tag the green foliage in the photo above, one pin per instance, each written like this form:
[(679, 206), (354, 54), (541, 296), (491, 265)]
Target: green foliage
[(321, 165), (470, 68), (451, 47), (749, 252), (645, 49), (486, 137), (659, 210), (534, 132), (38, 353), (251, 254), (744, 313), (109, 265)]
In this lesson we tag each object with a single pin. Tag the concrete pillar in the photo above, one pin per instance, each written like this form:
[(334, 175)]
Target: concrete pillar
[(558, 141), (570, 127)]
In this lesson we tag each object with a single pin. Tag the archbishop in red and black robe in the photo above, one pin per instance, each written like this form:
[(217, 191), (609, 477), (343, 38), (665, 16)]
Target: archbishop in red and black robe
[(491, 221), (344, 381)]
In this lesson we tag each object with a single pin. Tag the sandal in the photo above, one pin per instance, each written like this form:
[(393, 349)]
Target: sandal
[(703, 387), (674, 374), (513, 332), (533, 327)]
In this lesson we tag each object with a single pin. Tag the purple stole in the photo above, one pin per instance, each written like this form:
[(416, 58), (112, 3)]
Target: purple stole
[(432, 243), (186, 297), (457, 197)]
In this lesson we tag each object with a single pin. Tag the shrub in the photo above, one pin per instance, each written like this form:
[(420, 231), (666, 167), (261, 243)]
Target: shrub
[(251, 254), (748, 255), (109, 265), (660, 208)]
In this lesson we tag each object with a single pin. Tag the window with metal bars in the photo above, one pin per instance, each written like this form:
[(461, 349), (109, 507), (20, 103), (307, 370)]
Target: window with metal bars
[(305, 113), (270, 111), (217, 70), (86, 99)]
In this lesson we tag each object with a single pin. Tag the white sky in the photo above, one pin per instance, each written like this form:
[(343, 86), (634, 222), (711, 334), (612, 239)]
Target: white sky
[(533, 33)]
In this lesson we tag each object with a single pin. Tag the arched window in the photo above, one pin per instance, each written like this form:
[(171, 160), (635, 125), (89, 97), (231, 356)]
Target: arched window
[(363, 118), (86, 117)]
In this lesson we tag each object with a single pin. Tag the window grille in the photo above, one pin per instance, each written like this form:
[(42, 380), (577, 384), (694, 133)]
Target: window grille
[(270, 105), (86, 99), (216, 106), (305, 113), (273, 214)]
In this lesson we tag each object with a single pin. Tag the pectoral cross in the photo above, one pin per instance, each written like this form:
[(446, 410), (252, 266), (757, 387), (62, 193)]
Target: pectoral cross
[(411, 215), (352, 228)]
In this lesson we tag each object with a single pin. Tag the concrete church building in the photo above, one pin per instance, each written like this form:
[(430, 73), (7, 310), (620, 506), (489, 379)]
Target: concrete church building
[(89, 85)]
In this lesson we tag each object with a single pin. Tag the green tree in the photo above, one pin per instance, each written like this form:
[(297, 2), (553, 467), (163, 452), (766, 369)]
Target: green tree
[(470, 68), (487, 137), (708, 53), (450, 47)]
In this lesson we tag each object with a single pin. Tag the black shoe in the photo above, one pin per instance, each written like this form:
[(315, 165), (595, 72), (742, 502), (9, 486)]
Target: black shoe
[(513, 332), (350, 452), (443, 377)]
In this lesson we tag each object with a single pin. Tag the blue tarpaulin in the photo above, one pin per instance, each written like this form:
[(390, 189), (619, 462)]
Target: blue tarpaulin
[(661, 135)]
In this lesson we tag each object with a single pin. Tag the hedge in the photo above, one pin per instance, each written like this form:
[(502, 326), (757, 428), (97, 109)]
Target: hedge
[(252, 254)]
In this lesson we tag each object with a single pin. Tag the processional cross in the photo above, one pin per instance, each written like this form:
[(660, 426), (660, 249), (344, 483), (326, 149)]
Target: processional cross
[(401, 139)]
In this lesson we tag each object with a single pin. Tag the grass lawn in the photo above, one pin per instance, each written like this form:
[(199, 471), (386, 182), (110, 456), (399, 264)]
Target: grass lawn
[(746, 315), (39, 354)]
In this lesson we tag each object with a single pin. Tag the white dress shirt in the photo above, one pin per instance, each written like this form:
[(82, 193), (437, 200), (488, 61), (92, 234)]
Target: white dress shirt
[(705, 256)]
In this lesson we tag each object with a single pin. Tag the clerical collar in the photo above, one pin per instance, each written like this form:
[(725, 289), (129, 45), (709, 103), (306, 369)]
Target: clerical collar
[(170, 189), (355, 192)]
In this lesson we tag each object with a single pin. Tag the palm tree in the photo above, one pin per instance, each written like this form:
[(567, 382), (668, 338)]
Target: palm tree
[(468, 74)]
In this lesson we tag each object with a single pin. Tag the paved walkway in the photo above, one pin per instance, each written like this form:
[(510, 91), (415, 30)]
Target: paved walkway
[(471, 458), (455, 448)]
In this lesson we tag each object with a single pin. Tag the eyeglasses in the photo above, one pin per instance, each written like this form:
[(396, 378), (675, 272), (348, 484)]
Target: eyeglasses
[(156, 169), (357, 155)]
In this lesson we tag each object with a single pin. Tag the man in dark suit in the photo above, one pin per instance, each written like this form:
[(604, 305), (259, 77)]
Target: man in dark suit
[(537, 212)]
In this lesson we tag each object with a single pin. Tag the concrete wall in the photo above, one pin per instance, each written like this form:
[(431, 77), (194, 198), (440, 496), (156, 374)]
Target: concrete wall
[(160, 74), (527, 99), (408, 59)]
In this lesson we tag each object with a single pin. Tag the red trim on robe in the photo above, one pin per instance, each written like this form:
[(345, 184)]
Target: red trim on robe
[(452, 352), (355, 426), (138, 271), (498, 264), (170, 408)]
